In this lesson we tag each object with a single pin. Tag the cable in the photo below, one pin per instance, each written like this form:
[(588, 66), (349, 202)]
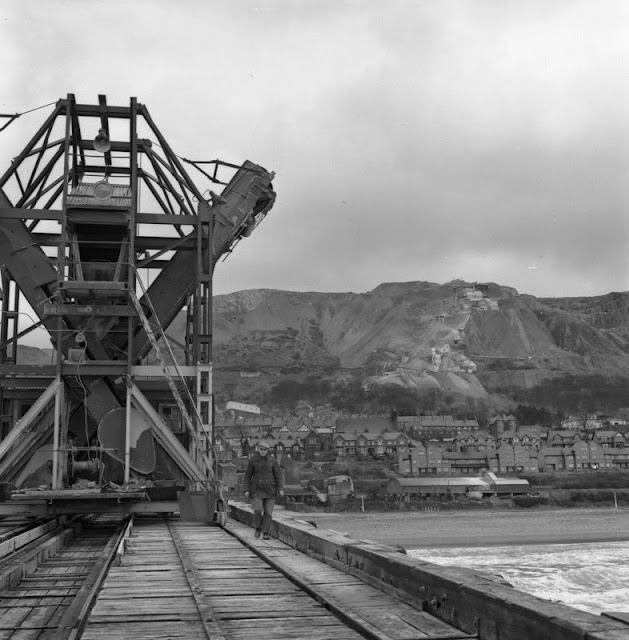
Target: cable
[(15, 116), (19, 313), (174, 361)]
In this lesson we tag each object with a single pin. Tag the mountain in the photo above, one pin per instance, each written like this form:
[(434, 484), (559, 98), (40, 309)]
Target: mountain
[(460, 337), (34, 355)]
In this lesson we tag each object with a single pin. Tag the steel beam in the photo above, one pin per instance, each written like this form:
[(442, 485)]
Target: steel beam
[(65, 301), (166, 437), (22, 427)]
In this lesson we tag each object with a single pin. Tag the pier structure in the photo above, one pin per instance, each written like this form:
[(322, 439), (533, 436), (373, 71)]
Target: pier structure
[(105, 242), (158, 576)]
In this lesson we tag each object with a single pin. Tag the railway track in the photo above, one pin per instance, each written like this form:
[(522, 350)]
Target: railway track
[(49, 584), (190, 580)]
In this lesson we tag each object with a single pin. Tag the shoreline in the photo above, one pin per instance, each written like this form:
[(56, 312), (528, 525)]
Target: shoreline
[(505, 541), (416, 530)]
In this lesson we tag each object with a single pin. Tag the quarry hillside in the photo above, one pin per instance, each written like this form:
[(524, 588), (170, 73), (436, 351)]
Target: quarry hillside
[(460, 338)]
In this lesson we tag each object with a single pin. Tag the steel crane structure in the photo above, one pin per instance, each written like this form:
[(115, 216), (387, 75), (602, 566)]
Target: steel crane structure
[(106, 239)]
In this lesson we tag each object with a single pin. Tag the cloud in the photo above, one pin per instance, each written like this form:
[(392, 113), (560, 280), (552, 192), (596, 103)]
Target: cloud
[(410, 140)]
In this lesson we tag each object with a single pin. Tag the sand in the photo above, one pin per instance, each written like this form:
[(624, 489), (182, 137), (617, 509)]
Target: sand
[(413, 530)]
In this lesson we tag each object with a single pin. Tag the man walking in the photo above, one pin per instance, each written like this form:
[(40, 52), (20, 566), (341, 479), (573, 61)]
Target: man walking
[(263, 482)]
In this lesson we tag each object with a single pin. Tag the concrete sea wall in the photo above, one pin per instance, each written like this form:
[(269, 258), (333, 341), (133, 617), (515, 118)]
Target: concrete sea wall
[(471, 601)]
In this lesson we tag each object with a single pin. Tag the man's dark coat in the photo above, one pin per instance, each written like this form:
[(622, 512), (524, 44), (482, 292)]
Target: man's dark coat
[(263, 478)]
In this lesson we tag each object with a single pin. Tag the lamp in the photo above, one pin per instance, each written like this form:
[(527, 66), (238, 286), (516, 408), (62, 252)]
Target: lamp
[(102, 190), (102, 143)]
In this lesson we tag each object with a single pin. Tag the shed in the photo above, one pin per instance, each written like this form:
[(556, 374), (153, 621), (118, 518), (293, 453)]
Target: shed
[(340, 486), (507, 485), (436, 486)]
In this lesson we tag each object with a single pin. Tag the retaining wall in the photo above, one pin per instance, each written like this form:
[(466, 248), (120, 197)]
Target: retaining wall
[(469, 600)]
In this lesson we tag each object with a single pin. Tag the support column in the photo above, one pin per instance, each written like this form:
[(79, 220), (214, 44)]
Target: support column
[(203, 331), (56, 439), (131, 281), (204, 409)]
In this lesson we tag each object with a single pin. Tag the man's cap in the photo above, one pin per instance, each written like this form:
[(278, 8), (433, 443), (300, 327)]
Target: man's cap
[(263, 445)]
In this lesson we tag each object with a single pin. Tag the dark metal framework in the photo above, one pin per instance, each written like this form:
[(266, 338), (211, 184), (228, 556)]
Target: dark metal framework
[(104, 240)]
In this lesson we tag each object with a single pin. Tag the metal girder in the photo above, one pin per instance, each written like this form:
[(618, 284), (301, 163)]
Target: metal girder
[(29, 433), (235, 209), (24, 259), (24, 424), (142, 243), (166, 437), (52, 180), (36, 277)]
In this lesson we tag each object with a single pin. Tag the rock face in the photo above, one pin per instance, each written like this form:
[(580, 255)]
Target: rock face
[(458, 336)]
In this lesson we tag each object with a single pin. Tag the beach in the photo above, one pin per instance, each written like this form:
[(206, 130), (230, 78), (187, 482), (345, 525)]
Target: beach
[(413, 529)]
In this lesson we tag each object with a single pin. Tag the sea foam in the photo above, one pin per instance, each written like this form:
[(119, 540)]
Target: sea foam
[(592, 577)]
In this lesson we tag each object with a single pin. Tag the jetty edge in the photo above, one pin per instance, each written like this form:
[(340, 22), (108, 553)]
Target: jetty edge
[(475, 602)]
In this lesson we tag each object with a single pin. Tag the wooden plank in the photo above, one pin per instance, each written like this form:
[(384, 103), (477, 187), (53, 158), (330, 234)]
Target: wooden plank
[(290, 629), (436, 629), (361, 603), (619, 616), (144, 630), (247, 598)]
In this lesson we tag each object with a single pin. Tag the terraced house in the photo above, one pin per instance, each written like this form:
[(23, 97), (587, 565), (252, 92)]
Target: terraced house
[(517, 453), (370, 443)]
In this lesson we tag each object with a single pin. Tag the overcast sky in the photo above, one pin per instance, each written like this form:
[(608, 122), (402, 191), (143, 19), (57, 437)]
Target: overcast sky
[(486, 140)]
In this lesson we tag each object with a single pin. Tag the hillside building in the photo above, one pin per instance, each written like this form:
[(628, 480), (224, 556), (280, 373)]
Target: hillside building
[(500, 423)]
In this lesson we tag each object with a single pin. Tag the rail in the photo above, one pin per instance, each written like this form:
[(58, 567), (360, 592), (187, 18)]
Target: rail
[(167, 578), (49, 586)]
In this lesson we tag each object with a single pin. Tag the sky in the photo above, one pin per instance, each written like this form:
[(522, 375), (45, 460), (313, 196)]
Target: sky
[(483, 140)]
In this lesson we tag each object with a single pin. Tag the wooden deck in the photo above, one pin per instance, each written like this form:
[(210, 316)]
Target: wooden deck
[(42, 605), (158, 592)]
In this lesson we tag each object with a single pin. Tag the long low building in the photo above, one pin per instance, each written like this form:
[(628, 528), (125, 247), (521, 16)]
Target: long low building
[(439, 486)]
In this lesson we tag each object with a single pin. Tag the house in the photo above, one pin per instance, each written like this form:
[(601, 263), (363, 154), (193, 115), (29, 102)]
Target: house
[(422, 460), (501, 423), (325, 436), (562, 438), (372, 443), (592, 422), (474, 441), (554, 459), (525, 438), (435, 426), (619, 458), (395, 442), (466, 463), (515, 459), (222, 452), (589, 455), (361, 423), (313, 443), (573, 423), (609, 438), (288, 447)]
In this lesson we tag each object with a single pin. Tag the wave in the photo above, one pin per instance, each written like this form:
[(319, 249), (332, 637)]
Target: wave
[(592, 577)]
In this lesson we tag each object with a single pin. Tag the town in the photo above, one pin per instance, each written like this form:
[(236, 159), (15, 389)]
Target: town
[(424, 445)]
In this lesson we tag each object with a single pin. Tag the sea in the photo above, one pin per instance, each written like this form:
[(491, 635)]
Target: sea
[(592, 577)]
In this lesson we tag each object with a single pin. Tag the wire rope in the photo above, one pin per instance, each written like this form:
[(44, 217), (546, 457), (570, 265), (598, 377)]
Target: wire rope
[(14, 116)]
